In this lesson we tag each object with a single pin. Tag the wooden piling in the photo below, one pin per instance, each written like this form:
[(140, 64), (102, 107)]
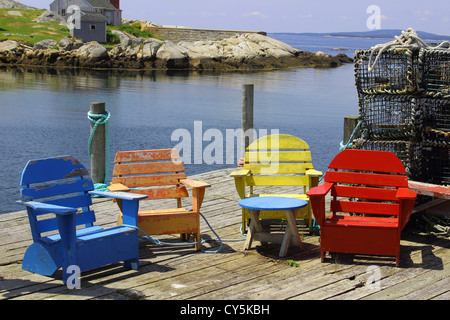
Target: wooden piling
[(247, 116), (98, 146), (350, 124)]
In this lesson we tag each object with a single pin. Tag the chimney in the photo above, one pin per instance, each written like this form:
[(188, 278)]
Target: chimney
[(115, 3)]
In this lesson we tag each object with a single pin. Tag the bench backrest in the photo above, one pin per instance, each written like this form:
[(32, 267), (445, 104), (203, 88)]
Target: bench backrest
[(61, 181), (278, 160), (366, 182), (155, 173)]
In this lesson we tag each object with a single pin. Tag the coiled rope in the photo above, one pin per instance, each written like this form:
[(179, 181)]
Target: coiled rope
[(99, 119), (408, 39)]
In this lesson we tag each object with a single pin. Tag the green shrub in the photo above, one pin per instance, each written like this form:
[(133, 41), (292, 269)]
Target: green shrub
[(134, 29), (112, 38)]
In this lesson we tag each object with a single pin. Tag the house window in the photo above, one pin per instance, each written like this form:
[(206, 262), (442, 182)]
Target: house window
[(63, 12), (93, 27)]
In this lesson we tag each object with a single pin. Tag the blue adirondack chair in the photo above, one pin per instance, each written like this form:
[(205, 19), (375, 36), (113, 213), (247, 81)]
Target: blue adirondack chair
[(57, 193)]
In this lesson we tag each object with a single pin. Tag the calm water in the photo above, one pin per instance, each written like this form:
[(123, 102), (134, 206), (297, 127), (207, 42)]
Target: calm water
[(44, 114)]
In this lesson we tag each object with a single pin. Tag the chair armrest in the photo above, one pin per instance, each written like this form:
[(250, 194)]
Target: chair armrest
[(115, 187), (407, 200), (49, 208), (198, 192), (314, 173), (119, 195), (406, 194), (239, 181), (317, 200), (193, 184), (320, 191), (240, 173)]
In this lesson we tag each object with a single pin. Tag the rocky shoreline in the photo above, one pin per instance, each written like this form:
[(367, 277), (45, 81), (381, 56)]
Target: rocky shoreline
[(244, 52)]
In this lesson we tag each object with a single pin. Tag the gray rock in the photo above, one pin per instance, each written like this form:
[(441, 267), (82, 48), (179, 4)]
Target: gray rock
[(137, 41), (150, 48), (92, 50), (51, 16), (239, 47), (170, 51), (125, 40), (321, 54), (13, 4), (68, 44), (44, 44), (8, 45)]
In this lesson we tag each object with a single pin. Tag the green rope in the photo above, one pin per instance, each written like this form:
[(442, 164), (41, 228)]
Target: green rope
[(99, 119)]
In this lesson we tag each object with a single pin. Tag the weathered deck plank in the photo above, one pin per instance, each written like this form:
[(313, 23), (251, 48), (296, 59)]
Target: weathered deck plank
[(180, 273)]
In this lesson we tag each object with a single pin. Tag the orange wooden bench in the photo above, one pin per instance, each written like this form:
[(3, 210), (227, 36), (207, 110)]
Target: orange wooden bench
[(371, 203), (159, 174)]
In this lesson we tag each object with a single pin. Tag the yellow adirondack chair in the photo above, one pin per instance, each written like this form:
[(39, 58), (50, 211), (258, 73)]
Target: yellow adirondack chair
[(159, 174), (277, 160)]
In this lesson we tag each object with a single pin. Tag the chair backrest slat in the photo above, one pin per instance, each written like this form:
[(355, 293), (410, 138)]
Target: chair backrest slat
[(147, 155), (373, 208), (147, 168), (150, 180), (44, 170), (56, 189), (275, 156), (369, 193), (361, 160), (277, 181), (367, 178)]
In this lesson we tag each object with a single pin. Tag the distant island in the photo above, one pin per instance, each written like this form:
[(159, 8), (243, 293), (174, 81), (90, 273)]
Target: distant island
[(375, 34)]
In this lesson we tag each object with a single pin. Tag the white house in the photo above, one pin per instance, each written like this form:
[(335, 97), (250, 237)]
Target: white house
[(107, 8)]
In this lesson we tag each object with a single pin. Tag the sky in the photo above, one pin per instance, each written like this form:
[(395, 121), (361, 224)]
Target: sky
[(294, 16)]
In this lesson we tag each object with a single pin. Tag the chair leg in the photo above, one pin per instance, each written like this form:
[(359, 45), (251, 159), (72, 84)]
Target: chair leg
[(184, 237), (197, 239), (132, 264)]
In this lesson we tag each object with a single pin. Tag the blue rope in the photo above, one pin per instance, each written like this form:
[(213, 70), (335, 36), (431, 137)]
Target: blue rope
[(99, 119), (159, 242)]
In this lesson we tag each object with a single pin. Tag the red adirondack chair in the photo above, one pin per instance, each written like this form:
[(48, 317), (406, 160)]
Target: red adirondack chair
[(370, 204)]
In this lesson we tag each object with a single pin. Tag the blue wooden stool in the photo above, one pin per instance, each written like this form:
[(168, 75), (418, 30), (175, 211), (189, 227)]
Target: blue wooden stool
[(255, 231)]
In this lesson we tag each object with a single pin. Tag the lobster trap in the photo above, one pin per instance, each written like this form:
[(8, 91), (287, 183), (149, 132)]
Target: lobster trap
[(408, 152), (435, 80), (436, 164), (388, 116), (435, 120), (393, 71)]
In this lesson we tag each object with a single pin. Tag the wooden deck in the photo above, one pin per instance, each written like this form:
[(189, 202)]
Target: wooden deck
[(179, 273)]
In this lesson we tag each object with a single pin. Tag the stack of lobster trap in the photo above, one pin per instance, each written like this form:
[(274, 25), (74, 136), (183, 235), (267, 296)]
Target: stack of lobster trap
[(404, 107)]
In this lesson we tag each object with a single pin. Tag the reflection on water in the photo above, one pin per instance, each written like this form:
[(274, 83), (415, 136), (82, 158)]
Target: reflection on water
[(45, 113)]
